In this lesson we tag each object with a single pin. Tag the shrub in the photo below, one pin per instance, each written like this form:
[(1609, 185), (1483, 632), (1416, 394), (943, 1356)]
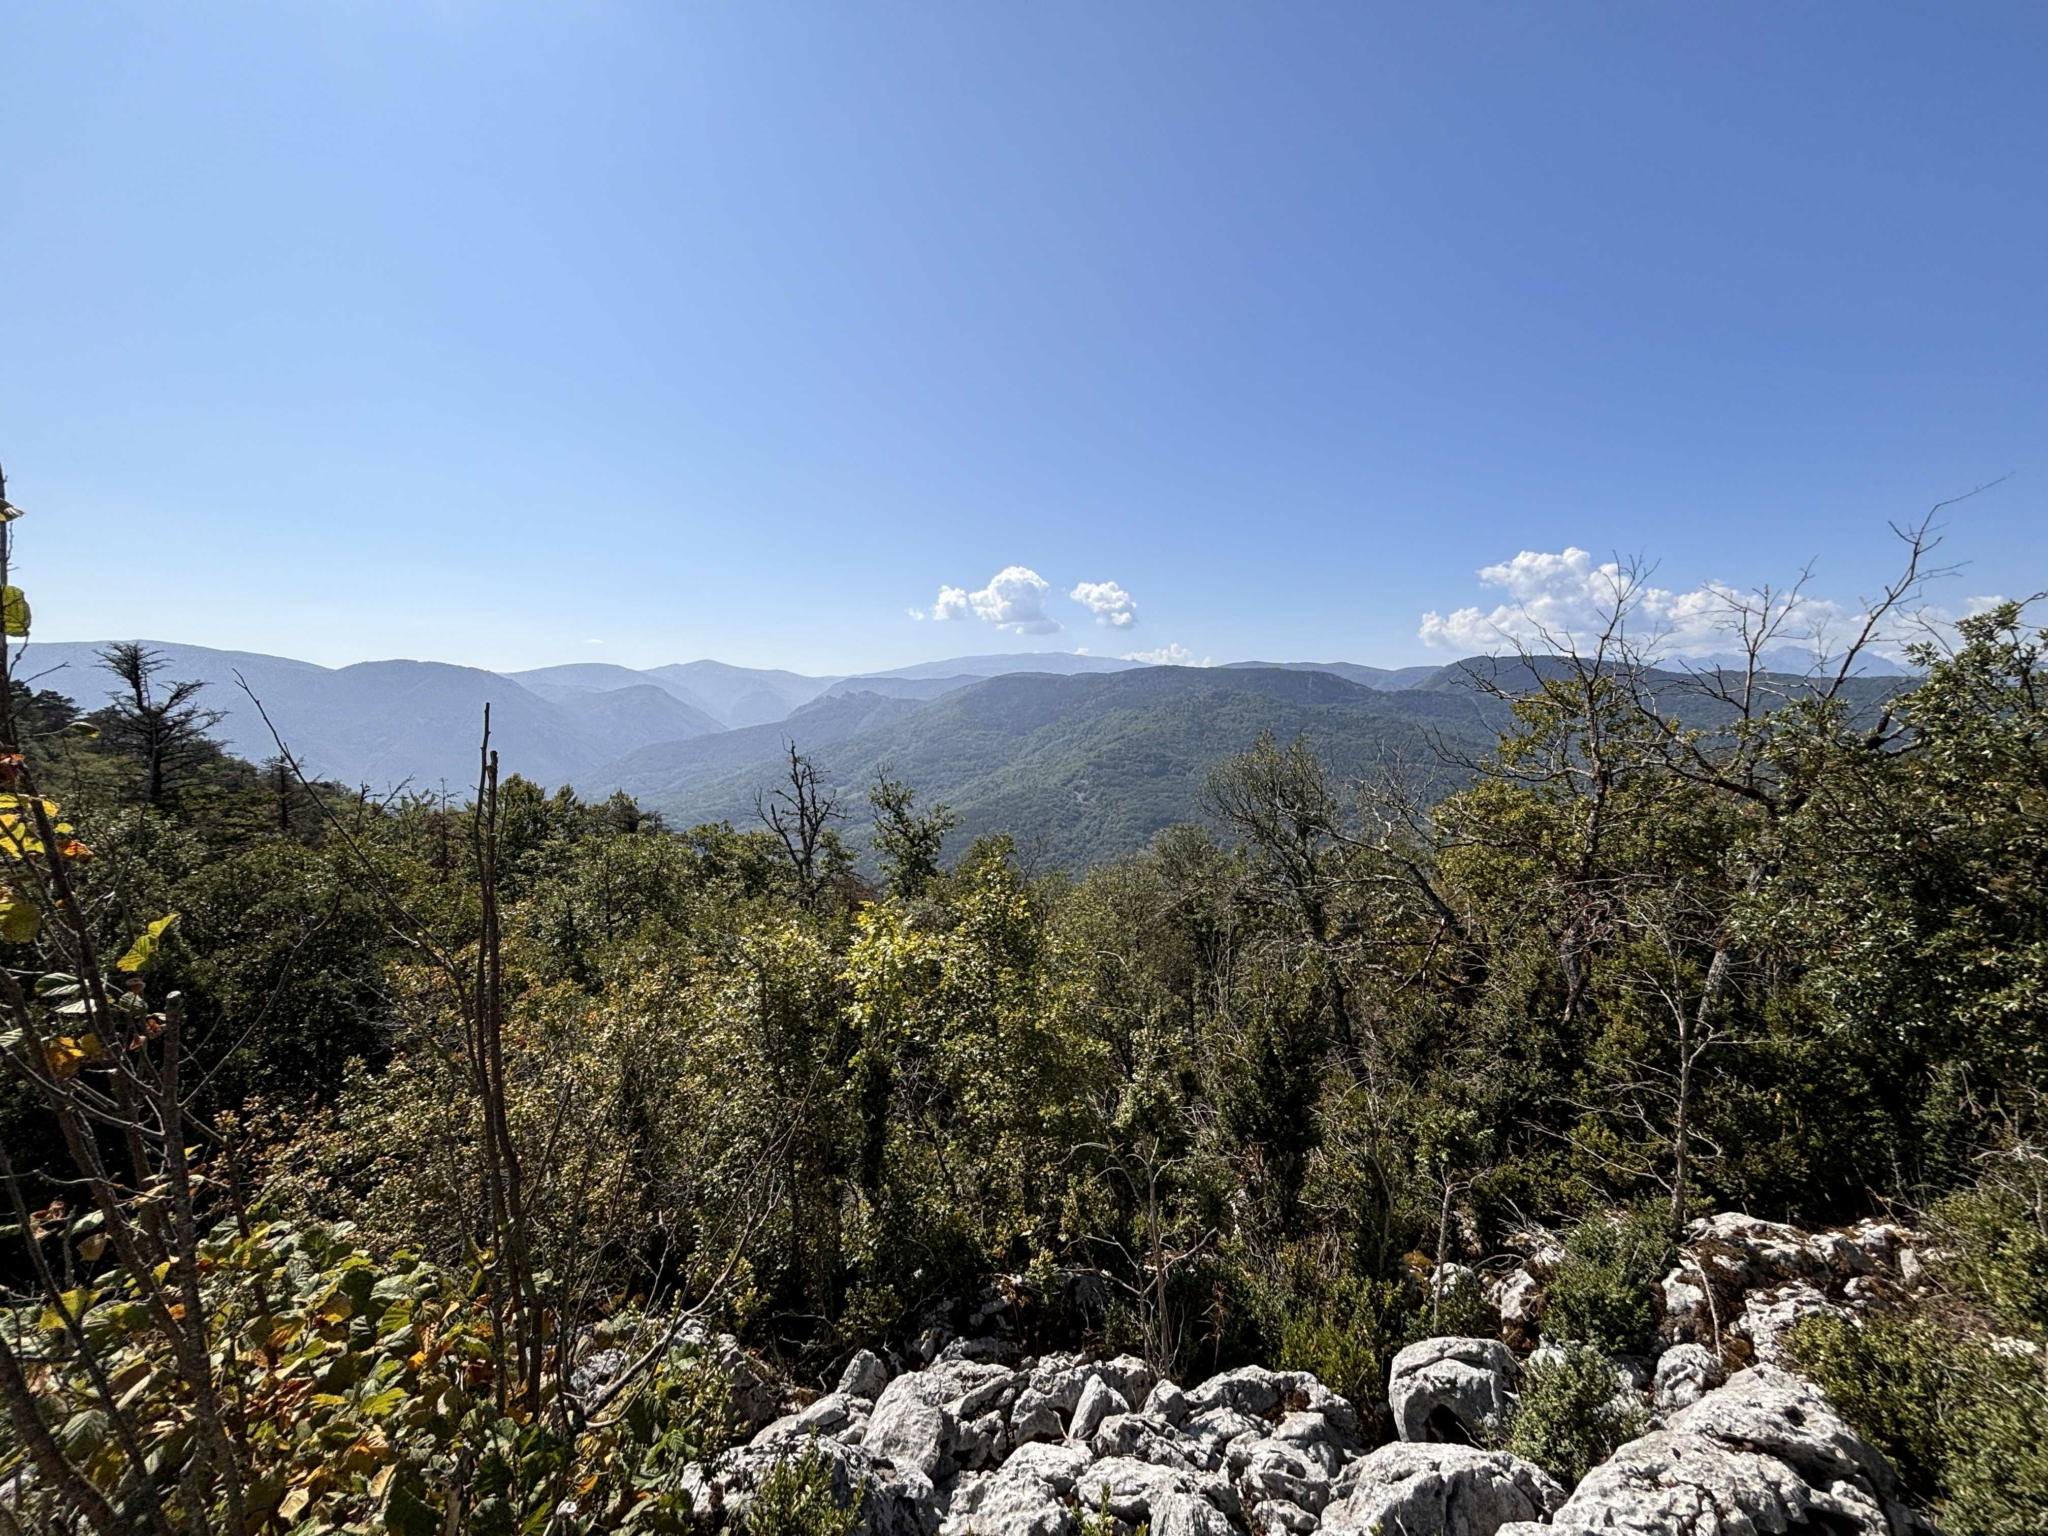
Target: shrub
[(1602, 1292), (1569, 1421), (795, 1499), (1965, 1425), (1344, 1339)]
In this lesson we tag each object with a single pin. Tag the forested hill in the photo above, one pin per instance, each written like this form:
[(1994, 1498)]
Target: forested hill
[(1083, 769), (1077, 769)]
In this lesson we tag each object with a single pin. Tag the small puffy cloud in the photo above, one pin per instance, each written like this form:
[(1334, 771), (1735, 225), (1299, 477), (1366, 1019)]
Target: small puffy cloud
[(1014, 600), (951, 603), (1175, 655), (1110, 603)]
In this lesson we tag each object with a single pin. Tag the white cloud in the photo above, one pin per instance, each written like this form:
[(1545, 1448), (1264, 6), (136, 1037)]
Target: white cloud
[(1110, 603), (1568, 597), (1175, 655), (951, 603), (1014, 599)]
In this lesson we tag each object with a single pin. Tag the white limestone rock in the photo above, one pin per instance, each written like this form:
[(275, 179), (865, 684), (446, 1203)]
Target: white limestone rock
[(1446, 1387), (1444, 1490)]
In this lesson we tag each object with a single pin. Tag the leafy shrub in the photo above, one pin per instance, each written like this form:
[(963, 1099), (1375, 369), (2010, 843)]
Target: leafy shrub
[(2000, 1243), (1569, 1421), (1344, 1340), (1601, 1293), (1965, 1425), (795, 1499)]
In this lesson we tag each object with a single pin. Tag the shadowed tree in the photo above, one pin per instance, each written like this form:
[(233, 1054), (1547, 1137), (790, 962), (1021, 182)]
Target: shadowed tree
[(163, 729)]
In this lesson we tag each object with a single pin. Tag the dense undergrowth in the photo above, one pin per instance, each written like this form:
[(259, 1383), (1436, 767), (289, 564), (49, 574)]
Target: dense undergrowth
[(323, 1190)]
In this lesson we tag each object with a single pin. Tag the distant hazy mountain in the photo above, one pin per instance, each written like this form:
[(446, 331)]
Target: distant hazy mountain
[(1351, 672), (1058, 663), (1083, 757)]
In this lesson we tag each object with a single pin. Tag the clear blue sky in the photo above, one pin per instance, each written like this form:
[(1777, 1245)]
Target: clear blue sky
[(516, 334)]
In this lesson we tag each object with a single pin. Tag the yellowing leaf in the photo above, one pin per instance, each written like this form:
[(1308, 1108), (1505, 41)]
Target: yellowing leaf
[(336, 1309), (90, 1248), (13, 611), (19, 922), (294, 1504), (65, 1055), (143, 950)]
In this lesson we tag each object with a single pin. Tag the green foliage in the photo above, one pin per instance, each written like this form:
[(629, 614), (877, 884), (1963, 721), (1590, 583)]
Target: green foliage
[(795, 1499), (1602, 1293), (1569, 1421), (1965, 1425)]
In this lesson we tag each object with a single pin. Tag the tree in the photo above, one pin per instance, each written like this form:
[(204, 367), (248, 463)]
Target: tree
[(908, 843), (800, 811), (163, 730)]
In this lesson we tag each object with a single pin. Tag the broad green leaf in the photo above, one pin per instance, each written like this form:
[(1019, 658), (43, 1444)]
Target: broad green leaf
[(144, 949), (14, 611)]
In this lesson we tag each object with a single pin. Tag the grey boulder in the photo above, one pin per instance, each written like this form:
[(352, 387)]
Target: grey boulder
[(1441, 1490), (1451, 1389)]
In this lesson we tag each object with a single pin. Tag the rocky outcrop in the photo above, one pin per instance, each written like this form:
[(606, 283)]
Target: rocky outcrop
[(1765, 1453), (981, 1441)]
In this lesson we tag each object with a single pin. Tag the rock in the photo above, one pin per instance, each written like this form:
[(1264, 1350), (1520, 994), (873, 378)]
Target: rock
[(1912, 1268), (1673, 1482), (1216, 1428), (1277, 1515), (865, 1376), (1448, 1389), (1767, 1316), (1685, 1374), (1130, 1488), (910, 1431), (1166, 1401), (1755, 1251), (1444, 1490), (1273, 1469), (1764, 1453), (1183, 1514), (1778, 1414), (1008, 1506), (1250, 1389), (1144, 1436), (1518, 1298), (598, 1371), (1098, 1401)]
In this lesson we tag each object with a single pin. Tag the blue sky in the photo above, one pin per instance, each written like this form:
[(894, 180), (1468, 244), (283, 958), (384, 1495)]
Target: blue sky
[(638, 332)]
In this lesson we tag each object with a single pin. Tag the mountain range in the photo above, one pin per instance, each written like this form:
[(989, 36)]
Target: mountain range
[(1081, 758)]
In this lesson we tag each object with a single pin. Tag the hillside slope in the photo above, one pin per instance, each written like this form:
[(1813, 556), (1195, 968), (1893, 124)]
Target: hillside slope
[(1079, 768)]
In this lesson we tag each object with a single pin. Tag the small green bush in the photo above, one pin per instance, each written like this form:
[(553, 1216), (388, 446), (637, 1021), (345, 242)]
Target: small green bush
[(1569, 1421), (2000, 1248), (1601, 1293), (1344, 1339), (795, 1499), (1965, 1426)]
